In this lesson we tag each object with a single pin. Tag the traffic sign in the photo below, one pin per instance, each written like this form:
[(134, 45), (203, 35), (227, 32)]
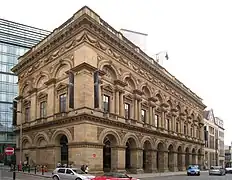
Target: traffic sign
[(9, 151), (94, 155)]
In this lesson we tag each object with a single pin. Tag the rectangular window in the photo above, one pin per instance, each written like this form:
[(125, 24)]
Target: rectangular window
[(191, 132), (43, 109), (185, 130), (96, 89), (143, 115), (106, 103), (27, 114), (177, 127), (168, 124), (62, 103), (127, 111), (155, 119)]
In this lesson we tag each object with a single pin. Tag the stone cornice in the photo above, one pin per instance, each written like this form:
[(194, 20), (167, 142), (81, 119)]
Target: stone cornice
[(50, 81), (84, 117), (84, 65), (120, 83), (85, 21)]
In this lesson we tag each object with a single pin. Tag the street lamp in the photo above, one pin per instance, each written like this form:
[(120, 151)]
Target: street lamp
[(20, 136)]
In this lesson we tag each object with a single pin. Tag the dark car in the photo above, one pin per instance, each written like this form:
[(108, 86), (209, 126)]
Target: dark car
[(193, 170)]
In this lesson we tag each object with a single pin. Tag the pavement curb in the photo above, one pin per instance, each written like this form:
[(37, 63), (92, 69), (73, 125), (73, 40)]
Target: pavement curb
[(30, 174)]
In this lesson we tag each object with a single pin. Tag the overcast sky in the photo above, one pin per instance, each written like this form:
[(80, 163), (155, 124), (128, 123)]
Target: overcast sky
[(196, 34)]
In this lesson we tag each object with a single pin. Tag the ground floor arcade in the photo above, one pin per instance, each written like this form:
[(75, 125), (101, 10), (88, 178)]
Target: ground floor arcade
[(112, 151)]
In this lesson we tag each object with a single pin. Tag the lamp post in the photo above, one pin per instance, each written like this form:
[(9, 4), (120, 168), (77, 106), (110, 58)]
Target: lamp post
[(20, 137)]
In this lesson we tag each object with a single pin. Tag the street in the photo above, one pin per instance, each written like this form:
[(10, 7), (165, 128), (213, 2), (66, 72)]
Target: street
[(6, 175)]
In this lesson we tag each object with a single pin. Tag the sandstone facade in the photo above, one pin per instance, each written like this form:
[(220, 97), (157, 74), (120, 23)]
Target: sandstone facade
[(134, 116)]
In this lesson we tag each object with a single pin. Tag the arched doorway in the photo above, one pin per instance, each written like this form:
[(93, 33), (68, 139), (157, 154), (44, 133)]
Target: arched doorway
[(179, 158), (130, 162), (160, 157), (194, 156), (64, 149), (147, 158), (186, 157), (109, 153), (171, 158)]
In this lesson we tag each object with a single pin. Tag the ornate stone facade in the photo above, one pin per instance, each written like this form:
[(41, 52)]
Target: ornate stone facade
[(134, 117)]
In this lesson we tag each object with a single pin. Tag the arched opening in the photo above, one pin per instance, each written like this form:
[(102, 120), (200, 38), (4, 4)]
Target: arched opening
[(130, 150), (186, 157), (171, 158), (109, 153), (194, 156), (147, 158), (64, 149), (160, 157), (179, 158)]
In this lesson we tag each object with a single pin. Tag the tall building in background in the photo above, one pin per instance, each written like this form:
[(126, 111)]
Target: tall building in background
[(214, 140), (220, 141), (15, 40)]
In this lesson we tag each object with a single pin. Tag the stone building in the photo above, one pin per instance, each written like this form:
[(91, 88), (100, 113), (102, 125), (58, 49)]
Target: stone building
[(214, 140), (220, 141), (90, 96)]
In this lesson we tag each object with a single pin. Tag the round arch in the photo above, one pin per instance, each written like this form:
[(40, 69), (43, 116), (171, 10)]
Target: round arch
[(146, 89), (40, 135), (131, 77), (132, 136), (106, 132), (59, 65), (109, 64), (26, 139), (59, 133), (147, 139), (41, 76)]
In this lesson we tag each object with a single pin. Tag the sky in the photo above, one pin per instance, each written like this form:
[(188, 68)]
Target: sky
[(196, 33)]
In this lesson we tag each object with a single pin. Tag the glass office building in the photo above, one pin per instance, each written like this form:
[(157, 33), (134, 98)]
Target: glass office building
[(15, 40)]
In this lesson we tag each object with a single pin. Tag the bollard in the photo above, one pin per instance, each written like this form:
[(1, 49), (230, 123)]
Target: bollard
[(29, 168), (42, 170), (35, 169), (14, 173)]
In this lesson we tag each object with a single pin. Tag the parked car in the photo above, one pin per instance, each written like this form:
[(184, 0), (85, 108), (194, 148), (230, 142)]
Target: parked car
[(70, 174), (193, 170), (228, 170), (217, 170), (114, 176)]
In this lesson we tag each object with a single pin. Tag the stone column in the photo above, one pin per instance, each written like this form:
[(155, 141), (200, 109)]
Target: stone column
[(190, 158), (121, 108), (51, 107), (119, 162), (163, 119), (136, 161), (139, 110), (112, 103), (154, 161), (166, 161), (183, 162), (175, 162), (117, 102), (114, 158), (150, 115), (135, 109)]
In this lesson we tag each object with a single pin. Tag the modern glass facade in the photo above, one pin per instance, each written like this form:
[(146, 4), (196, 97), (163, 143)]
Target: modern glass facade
[(15, 40)]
